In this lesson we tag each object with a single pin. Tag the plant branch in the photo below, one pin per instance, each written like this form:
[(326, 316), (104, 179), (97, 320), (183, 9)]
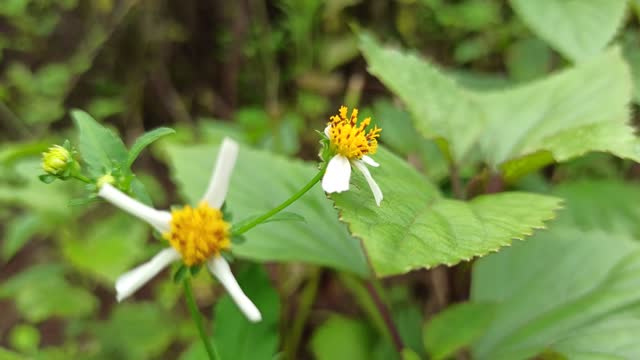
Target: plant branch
[(282, 206)]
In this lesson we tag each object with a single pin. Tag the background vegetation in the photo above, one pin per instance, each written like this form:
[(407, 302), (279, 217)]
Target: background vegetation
[(485, 112)]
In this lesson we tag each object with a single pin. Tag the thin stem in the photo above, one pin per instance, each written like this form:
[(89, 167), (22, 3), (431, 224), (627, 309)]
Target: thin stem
[(197, 318), (82, 178), (305, 303), (456, 184), (386, 316), (282, 206)]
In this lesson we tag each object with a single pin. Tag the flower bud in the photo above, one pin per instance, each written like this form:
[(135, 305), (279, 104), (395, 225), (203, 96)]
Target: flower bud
[(56, 160)]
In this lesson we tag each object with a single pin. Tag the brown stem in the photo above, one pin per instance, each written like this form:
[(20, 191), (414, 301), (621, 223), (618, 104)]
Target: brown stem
[(386, 316), (495, 184), (456, 185)]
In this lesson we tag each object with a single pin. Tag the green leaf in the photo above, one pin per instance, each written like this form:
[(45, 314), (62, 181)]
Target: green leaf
[(41, 292), (559, 114), (456, 327), (145, 140), (25, 338), (439, 107), (559, 284), (579, 29), (19, 231), (562, 114), (607, 205), (30, 193), (99, 147), (135, 331), (528, 59), (254, 186), (632, 55), (10, 355), (613, 338), (342, 338), (416, 227), (232, 331), (111, 247)]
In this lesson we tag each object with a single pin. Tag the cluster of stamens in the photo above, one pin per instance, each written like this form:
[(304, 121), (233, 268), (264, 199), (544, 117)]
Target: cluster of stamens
[(198, 233), (349, 139)]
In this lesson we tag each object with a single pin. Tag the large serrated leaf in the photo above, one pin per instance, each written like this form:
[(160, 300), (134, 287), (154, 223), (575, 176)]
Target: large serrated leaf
[(260, 182), (567, 114), (100, 147), (417, 227), (579, 29), (562, 283), (570, 113), (440, 108)]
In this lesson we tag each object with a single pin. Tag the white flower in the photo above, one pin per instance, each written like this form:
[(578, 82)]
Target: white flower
[(197, 235), (350, 143)]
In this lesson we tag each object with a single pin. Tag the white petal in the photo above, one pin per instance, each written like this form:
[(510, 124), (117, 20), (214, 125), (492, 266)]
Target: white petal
[(219, 183), (336, 178), (220, 268), (131, 281), (377, 193), (369, 161), (326, 131), (158, 219)]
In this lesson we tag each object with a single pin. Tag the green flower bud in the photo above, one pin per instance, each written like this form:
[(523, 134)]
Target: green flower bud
[(56, 160), (105, 179)]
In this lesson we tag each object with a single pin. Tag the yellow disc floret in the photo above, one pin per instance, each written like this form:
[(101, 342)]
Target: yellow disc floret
[(349, 139), (198, 233)]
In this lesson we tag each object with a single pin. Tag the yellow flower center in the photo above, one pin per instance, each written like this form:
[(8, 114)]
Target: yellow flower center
[(198, 233), (350, 139)]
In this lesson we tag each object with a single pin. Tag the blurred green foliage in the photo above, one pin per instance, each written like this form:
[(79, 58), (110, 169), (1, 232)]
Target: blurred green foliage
[(268, 74)]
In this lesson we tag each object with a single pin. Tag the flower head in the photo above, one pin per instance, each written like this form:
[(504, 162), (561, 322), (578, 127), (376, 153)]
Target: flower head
[(349, 139), (56, 160), (350, 144), (195, 235), (198, 233)]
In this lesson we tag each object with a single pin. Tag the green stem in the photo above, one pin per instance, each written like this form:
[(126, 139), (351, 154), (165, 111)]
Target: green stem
[(82, 178), (282, 206), (197, 318)]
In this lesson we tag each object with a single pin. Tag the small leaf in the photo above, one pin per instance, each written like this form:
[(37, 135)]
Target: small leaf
[(19, 231), (578, 29), (47, 178), (180, 274), (136, 331), (456, 327), (30, 287), (99, 147), (145, 140), (195, 269), (342, 338)]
